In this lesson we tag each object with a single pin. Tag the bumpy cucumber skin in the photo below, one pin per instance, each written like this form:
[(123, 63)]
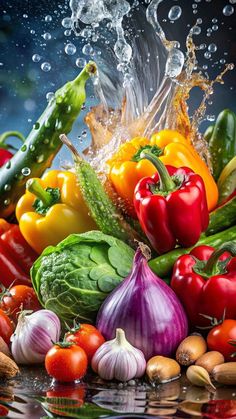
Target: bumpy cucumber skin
[(162, 265), (43, 143), (222, 144), (222, 217), (101, 207)]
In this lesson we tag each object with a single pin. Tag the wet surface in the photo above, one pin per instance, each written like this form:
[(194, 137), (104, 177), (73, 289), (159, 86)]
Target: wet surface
[(95, 398)]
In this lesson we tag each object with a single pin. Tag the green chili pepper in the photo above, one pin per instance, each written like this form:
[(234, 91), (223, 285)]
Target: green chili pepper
[(222, 144), (162, 265), (43, 143), (208, 133)]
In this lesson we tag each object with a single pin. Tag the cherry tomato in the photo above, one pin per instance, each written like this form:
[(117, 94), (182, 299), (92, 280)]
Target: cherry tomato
[(6, 327), (66, 363), (219, 337), (17, 298), (87, 337)]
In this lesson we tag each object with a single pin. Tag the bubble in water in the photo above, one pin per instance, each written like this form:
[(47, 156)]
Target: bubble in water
[(47, 36), (36, 58), (196, 30), (81, 62), (86, 33), (87, 49), (67, 32), (25, 16), (49, 96), (175, 13), (199, 21), (7, 187), (32, 31), (222, 61), (228, 10), (26, 171), (70, 49), (214, 20), (66, 22), (212, 48), (215, 27), (207, 55), (48, 18), (46, 66)]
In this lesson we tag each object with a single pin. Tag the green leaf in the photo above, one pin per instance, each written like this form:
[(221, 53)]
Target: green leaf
[(157, 151), (99, 253), (40, 207), (121, 260)]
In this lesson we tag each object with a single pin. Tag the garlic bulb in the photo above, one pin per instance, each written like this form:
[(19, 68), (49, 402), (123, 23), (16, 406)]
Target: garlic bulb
[(118, 359)]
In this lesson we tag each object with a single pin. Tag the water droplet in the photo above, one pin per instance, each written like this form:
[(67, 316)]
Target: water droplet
[(8, 165), (84, 133), (6, 202), (211, 118), (214, 20), (46, 66), (46, 141), (25, 16), (7, 187), (175, 13), (26, 171), (215, 27), (81, 62), (36, 125), (32, 31), (207, 55), (36, 58), (48, 18), (70, 49), (32, 147), (50, 96), (47, 36), (66, 22), (86, 33), (87, 49), (40, 158), (232, 1), (67, 32), (199, 21), (222, 61), (212, 48), (228, 10), (24, 148), (196, 30)]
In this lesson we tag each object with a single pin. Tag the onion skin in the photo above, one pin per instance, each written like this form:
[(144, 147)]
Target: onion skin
[(161, 369), (190, 349), (147, 309)]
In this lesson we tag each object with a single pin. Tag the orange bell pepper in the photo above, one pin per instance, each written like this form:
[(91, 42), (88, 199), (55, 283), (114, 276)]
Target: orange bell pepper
[(51, 209), (126, 168)]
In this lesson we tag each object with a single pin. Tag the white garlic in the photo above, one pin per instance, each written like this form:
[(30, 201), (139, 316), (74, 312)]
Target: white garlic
[(118, 359)]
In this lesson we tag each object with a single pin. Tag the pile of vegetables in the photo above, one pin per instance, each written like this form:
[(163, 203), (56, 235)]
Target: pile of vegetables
[(134, 278)]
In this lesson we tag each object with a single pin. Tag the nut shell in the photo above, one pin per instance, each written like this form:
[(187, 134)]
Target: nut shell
[(225, 373)]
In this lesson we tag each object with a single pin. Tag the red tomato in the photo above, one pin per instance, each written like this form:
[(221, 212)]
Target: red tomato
[(17, 298), (87, 337), (76, 392), (3, 411), (219, 337), (66, 363), (6, 327)]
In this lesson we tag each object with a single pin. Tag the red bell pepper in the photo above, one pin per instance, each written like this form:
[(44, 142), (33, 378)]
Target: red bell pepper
[(5, 154), (16, 256), (205, 282), (171, 206)]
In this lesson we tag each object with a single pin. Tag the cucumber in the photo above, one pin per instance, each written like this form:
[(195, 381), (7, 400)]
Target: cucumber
[(222, 217), (162, 265), (107, 217)]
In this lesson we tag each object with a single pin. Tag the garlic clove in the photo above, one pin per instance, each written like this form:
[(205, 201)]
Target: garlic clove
[(209, 360), (190, 349), (198, 376), (161, 369), (225, 373)]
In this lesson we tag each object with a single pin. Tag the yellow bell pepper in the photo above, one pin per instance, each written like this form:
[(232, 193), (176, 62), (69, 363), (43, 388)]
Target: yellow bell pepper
[(51, 209), (126, 169)]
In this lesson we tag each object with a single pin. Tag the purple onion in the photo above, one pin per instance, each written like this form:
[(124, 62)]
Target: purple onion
[(147, 309)]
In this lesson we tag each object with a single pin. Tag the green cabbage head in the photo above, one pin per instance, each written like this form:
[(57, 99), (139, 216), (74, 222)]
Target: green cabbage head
[(73, 278)]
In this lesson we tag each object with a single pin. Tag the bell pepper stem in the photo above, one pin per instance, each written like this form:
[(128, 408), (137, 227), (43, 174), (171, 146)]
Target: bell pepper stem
[(35, 188), (211, 265), (5, 135), (166, 182)]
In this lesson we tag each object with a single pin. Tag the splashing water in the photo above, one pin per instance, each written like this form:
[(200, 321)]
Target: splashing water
[(148, 77)]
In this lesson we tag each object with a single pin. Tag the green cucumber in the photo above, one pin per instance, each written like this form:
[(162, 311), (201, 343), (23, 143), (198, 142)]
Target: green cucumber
[(222, 217), (208, 133), (102, 209), (162, 265)]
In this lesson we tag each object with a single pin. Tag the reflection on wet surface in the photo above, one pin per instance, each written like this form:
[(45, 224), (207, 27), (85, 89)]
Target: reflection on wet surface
[(33, 395)]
